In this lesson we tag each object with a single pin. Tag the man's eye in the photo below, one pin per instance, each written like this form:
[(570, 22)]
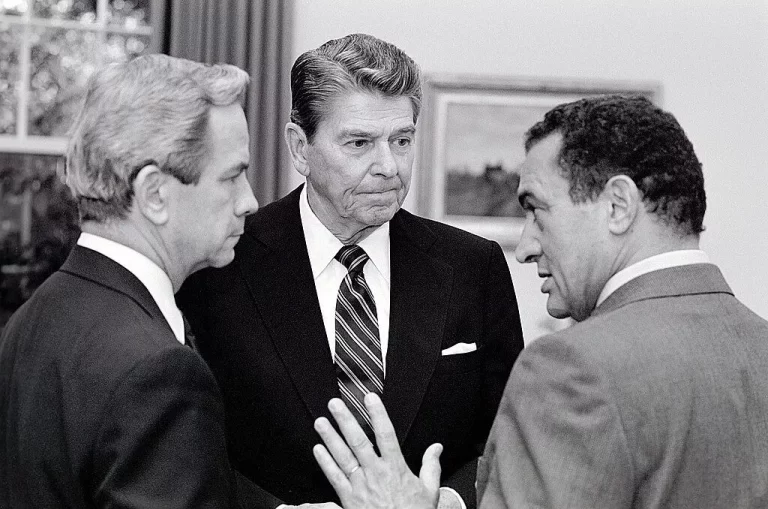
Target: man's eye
[(359, 143), (403, 142)]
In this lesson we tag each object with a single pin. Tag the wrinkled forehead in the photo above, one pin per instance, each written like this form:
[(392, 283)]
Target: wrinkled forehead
[(364, 111), (334, 102)]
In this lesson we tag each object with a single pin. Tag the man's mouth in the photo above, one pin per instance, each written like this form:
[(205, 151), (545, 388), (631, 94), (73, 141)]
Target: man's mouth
[(546, 286)]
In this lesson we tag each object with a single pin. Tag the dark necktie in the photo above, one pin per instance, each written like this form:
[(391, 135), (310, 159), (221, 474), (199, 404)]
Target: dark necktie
[(359, 366), (189, 336)]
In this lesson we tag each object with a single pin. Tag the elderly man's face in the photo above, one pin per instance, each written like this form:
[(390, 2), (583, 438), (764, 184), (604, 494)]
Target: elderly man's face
[(360, 160), (568, 241), (209, 216)]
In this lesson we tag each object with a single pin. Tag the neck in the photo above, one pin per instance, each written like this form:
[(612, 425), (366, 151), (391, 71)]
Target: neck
[(144, 241), (661, 240)]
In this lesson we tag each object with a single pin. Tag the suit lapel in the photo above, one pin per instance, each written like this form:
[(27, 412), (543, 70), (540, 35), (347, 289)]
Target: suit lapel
[(420, 290), (282, 274), (699, 278), (94, 266)]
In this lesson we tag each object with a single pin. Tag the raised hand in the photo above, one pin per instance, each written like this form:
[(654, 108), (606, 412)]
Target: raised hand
[(362, 478)]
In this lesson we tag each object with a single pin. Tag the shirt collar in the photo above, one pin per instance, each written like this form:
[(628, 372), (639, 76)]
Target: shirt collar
[(322, 245), (151, 276), (653, 263)]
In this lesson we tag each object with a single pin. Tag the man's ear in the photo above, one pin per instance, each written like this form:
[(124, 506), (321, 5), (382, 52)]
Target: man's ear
[(297, 147), (151, 193), (624, 200)]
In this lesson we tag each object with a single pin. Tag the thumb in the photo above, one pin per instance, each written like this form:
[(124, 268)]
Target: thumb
[(430, 467)]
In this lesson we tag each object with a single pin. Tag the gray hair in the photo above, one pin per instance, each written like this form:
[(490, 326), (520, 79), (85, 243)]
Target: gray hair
[(355, 62), (151, 110)]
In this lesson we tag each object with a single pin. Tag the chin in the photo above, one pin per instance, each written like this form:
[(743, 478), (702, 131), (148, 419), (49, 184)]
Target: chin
[(557, 311), (223, 259), (379, 216)]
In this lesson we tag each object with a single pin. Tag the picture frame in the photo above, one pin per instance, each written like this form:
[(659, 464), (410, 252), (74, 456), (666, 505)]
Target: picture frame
[(471, 140)]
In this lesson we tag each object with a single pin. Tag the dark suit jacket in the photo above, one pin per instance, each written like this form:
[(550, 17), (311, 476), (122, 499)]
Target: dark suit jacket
[(100, 405), (259, 326), (658, 400)]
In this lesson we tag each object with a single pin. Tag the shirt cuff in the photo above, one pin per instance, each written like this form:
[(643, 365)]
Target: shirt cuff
[(451, 490)]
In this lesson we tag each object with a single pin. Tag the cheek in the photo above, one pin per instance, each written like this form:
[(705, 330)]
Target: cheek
[(405, 178)]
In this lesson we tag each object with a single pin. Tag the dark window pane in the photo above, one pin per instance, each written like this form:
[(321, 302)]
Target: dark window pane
[(129, 13), (38, 225), (79, 10), (14, 7), (10, 43), (62, 61)]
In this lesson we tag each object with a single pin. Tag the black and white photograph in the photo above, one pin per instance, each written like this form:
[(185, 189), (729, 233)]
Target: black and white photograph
[(344, 254)]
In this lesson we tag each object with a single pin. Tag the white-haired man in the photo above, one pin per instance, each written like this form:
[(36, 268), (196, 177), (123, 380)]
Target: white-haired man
[(102, 401)]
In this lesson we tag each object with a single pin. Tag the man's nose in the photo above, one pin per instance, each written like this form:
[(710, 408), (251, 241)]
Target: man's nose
[(246, 203), (385, 163), (528, 249)]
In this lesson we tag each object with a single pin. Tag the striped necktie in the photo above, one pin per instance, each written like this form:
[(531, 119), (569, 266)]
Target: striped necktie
[(359, 366)]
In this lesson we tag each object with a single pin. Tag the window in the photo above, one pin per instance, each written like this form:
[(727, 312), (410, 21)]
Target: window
[(48, 50)]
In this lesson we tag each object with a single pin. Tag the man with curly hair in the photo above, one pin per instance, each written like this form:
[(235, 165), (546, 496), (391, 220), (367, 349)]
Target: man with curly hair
[(658, 397)]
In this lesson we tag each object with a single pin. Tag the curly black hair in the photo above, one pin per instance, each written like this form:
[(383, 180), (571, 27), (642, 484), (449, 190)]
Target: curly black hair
[(610, 135)]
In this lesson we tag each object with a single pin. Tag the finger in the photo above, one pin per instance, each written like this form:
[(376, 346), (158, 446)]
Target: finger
[(430, 467), (333, 473), (353, 434), (343, 457), (386, 438)]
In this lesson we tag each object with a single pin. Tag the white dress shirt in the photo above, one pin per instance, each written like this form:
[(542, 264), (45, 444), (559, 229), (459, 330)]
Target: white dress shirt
[(328, 272), (151, 276), (657, 262)]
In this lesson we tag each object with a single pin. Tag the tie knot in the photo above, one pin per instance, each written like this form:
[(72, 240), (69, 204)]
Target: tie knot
[(352, 257)]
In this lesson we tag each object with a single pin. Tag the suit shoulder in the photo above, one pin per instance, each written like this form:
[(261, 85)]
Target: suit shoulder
[(445, 233), (93, 323), (274, 212)]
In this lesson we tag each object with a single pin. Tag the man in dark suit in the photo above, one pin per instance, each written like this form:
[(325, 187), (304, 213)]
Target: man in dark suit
[(102, 401), (658, 397), (337, 291)]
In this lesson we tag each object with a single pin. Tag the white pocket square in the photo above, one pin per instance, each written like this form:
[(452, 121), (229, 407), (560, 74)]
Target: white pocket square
[(460, 348)]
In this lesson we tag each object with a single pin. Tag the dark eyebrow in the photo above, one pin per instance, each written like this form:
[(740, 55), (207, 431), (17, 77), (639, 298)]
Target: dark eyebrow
[(355, 133), (406, 130)]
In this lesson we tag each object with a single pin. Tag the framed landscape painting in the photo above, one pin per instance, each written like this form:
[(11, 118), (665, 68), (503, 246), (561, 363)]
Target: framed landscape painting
[(471, 143)]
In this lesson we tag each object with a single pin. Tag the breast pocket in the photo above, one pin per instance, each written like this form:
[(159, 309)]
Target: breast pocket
[(458, 363)]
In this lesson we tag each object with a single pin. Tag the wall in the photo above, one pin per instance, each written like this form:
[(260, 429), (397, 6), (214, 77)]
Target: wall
[(710, 55)]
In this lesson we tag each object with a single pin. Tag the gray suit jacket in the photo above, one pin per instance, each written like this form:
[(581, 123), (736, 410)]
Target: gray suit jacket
[(659, 399)]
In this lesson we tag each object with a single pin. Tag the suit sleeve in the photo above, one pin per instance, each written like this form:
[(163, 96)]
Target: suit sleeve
[(558, 439), (162, 442), (501, 343), (191, 300)]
